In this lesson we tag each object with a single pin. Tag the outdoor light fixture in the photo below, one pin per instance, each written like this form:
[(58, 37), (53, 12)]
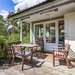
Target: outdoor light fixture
[(10, 28)]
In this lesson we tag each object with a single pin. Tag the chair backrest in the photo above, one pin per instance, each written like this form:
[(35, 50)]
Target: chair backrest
[(71, 53), (61, 52), (40, 43), (67, 47), (16, 49), (9, 49)]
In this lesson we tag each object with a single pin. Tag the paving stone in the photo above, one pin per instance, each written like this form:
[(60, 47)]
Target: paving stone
[(45, 69)]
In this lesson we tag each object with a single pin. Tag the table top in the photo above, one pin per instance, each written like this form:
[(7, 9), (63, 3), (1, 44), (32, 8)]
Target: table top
[(27, 45)]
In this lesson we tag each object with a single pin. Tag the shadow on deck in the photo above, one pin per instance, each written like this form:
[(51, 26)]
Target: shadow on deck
[(46, 67)]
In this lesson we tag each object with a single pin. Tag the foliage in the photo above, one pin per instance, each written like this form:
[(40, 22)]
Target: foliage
[(2, 27), (15, 36), (2, 45), (26, 32), (26, 39), (3, 31), (3, 37)]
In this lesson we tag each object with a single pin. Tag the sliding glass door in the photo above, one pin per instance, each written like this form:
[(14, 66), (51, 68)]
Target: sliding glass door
[(39, 32), (50, 33), (61, 32)]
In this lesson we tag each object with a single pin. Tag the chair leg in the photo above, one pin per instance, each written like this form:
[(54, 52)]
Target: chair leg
[(9, 59), (68, 62), (13, 58), (53, 61), (31, 58), (23, 59)]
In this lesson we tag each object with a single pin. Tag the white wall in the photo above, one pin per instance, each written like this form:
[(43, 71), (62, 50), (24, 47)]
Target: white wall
[(70, 29)]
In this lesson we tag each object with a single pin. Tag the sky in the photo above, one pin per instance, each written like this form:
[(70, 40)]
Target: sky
[(7, 6)]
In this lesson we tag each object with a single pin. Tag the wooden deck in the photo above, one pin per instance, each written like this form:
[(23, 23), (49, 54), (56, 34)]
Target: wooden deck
[(46, 68)]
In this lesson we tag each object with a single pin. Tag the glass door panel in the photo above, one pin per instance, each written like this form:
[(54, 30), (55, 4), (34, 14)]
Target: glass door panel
[(39, 31), (61, 32), (50, 33)]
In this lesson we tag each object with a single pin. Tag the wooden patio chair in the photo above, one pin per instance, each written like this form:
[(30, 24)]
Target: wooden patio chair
[(39, 48), (61, 54), (21, 53), (10, 51), (70, 58), (40, 43)]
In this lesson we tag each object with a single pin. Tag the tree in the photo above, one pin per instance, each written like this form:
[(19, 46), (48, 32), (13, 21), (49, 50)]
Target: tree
[(2, 27), (3, 30), (3, 37), (16, 29)]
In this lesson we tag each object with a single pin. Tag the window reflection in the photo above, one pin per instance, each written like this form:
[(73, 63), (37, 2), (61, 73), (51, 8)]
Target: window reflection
[(50, 33), (61, 31), (38, 31)]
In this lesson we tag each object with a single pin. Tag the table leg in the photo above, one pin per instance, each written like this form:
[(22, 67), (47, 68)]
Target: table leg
[(31, 55)]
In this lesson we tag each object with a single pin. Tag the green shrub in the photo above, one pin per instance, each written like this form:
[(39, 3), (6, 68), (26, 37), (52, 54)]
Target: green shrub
[(13, 37), (2, 46), (2, 39), (26, 38)]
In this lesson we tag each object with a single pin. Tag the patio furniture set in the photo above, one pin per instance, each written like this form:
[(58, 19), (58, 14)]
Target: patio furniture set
[(24, 51), (21, 51)]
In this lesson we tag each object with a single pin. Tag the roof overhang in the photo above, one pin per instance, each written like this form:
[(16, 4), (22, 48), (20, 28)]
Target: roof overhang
[(44, 8)]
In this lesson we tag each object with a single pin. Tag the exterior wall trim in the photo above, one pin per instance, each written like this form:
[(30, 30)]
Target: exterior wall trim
[(44, 20), (49, 6)]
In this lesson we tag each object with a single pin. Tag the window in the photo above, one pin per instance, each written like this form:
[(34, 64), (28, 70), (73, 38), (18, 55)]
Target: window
[(39, 31), (61, 31), (50, 33)]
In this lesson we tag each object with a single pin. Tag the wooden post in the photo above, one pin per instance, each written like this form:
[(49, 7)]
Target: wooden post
[(20, 24), (31, 33)]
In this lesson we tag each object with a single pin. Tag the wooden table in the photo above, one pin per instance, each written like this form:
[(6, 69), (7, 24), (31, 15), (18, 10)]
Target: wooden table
[(23, 46), (30, 46)]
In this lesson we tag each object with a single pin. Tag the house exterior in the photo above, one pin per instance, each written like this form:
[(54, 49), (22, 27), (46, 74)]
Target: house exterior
[(54, 21)]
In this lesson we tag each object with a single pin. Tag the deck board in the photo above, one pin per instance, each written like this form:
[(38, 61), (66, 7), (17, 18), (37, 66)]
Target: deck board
[(45, 69)]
